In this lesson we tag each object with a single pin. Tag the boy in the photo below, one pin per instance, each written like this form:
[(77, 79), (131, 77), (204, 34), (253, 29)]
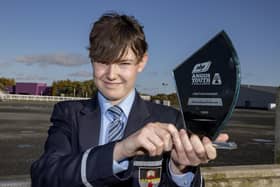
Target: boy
[(116, 138)]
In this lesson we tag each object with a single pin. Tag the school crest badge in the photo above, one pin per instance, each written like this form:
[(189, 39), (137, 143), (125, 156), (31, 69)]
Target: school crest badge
[(149, 173), (149, 176)]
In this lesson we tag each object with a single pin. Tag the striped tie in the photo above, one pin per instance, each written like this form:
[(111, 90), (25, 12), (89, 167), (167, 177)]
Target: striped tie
[(116, 127)]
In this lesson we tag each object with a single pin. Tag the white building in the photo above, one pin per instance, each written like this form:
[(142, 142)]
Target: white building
[(259, 97)]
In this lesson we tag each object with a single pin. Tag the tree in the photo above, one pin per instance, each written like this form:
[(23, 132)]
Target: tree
[(74, 88), (2, 87), (5, 82)]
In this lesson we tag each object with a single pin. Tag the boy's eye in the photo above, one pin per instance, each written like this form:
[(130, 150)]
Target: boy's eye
[(125, 63)]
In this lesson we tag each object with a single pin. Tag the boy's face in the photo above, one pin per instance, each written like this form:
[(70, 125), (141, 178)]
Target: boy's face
[(116, 80)]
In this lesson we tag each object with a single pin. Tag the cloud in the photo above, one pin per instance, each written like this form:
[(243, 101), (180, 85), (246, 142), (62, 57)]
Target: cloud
[(84, 74), (59, 59), (30, 77), (4, 63)]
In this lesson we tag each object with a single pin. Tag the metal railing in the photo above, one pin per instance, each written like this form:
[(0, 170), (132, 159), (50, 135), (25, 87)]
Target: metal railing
[(18, 97), (15, 181)]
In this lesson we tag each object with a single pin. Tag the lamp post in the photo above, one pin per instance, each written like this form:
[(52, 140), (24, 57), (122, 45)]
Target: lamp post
[(277, 129), (164, 85)]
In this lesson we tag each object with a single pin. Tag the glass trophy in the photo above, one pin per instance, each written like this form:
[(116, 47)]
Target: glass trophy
[(208, 84)]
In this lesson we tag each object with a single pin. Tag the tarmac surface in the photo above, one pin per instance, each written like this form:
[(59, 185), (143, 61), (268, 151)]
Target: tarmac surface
[(23, 131)]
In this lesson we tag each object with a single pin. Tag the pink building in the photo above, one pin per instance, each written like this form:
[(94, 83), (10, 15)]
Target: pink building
[(31, 88)]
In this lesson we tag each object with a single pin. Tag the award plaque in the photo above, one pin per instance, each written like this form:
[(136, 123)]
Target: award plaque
[(208, 84)]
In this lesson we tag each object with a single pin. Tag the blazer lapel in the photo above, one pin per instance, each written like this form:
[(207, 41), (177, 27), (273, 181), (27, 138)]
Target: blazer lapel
[(90, 121), (138, 115), (89, 124)]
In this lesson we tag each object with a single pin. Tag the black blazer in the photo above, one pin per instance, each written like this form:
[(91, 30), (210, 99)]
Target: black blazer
[(76, 126)]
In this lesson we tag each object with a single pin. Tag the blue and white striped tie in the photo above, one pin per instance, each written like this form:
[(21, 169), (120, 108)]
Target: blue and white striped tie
[(116, 127)]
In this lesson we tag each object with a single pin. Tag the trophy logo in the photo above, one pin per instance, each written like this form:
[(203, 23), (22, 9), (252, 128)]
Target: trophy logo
[(217, 79), (202, 67)]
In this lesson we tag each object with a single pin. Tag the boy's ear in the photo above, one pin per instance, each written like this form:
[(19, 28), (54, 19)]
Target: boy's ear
[(142, 63)]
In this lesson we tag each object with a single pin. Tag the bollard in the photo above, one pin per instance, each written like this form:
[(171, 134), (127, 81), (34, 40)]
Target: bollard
[(277, 129)]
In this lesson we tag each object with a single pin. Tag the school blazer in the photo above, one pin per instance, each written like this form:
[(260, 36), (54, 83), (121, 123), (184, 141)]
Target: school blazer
[(75, 129)]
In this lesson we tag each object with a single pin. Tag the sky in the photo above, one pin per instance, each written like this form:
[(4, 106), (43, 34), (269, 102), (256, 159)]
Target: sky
[(45, 41)]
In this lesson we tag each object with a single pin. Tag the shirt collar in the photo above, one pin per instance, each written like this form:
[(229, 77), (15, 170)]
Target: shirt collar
[(125, 104)]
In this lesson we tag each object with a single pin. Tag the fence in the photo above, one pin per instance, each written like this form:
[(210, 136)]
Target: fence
[(18, 97)]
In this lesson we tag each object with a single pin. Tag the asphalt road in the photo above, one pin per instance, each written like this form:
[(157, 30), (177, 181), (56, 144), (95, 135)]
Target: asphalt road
[(23, 130)]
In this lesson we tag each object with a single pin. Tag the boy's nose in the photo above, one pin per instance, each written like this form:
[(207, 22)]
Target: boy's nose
[(112, 71)]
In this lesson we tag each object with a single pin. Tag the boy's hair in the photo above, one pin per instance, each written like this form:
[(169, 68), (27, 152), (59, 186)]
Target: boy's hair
[(112, 35)]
